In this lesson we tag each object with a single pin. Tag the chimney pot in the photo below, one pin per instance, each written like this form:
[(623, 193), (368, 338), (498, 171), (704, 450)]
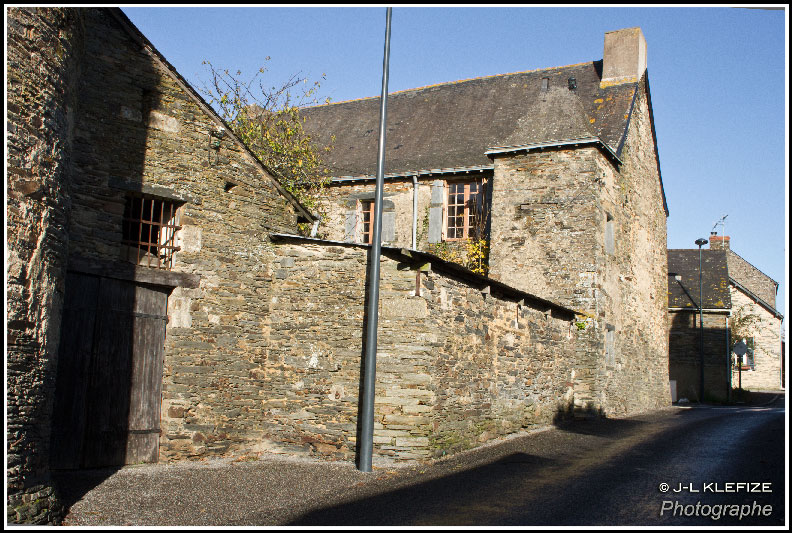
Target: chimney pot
[(624, 57)]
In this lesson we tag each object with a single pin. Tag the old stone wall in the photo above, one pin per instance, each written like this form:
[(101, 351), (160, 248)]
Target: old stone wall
[(765, 329), (633, 273), (544, 222), (140, 131), (343, 223), (573, 227), (343, 216), (455, 367), (685, 354), (544, 226), (44, 49)]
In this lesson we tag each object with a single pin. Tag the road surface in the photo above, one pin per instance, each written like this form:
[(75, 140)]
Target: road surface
[(606, 473)]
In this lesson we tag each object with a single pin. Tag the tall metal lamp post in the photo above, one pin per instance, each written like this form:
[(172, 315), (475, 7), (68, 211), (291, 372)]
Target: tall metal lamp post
[(700, 243), (366, 441)]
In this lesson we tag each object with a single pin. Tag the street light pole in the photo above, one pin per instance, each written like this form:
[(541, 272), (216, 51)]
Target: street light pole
[(366, 441), (700, 243)]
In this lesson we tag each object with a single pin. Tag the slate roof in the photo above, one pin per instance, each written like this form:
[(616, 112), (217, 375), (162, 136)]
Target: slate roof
[(715, 279), (753, 282), (452, 125)]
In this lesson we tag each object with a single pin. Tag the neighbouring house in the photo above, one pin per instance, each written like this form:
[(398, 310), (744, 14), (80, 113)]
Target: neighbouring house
[(161, 306), (754, 320), (689, 343), (553, 173), (738, 304)]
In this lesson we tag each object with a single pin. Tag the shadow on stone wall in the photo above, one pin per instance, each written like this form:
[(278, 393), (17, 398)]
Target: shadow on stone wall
[(684, 357), (90, 425), (359, 428), (567, 413)]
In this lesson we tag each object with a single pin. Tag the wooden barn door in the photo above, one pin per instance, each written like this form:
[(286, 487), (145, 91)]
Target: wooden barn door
[(109, 381)]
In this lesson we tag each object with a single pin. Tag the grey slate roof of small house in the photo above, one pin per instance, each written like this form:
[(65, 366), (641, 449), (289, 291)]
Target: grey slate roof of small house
[(452, 125), (684, 293), (753, 280)]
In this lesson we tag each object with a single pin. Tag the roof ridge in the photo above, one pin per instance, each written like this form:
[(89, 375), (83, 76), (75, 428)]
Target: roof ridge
[(450, 83)]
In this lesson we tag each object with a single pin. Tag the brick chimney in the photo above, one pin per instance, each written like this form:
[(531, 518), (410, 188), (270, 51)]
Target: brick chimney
[(718, 242), (624, 58)]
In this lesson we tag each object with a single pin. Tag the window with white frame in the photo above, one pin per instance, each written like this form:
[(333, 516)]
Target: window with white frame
[(464, 210)]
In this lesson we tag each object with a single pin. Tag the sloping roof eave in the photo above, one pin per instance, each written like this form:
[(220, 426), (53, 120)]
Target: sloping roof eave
[(150, 49), (555, 144), (772, 310)]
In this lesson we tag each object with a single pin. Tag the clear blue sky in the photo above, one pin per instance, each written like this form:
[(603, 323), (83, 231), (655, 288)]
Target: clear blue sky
[(718, 80)]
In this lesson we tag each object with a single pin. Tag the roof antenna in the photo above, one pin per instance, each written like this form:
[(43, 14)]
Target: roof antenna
[(722, 224)]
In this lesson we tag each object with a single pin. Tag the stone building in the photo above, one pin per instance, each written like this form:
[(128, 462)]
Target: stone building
[(755, 320), (161, 306), (738, 304), (686, 334), (556, 170), (138, 261)]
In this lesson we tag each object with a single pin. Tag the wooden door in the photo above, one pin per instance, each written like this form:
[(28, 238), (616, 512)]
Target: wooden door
[(109, 381)]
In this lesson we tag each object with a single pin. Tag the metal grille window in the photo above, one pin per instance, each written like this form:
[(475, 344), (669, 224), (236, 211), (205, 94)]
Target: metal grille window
[(366, 221), (149, 231), (464, 210)]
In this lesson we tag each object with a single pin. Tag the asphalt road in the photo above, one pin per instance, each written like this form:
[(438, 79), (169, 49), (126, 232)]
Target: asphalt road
[(606, 472)]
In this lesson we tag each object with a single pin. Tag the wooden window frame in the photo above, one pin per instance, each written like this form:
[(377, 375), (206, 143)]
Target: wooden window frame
[(468, 205), (149, 227), (366, 210)]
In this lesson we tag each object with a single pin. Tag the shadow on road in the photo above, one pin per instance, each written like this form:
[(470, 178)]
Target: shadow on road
[(427, 502), (591, 420), (72, 485), (586, 472)]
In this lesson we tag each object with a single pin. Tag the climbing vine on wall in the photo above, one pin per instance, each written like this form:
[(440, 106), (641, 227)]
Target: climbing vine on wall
[(268, 121), (741, 325)]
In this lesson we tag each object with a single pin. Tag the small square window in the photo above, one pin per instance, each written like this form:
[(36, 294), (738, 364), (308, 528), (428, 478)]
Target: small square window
[(149, 231)]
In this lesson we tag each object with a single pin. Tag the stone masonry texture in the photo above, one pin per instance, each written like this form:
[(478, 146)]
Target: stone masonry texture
[(685, 354), (44, 50), (752, 278), (263, 351), (550, 216), (455, 367), (92, 119), (161, 140), (765, 329)]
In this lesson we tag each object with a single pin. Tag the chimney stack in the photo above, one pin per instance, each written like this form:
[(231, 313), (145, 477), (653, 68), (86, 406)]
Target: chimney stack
[(718, 242), (624, 58)]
